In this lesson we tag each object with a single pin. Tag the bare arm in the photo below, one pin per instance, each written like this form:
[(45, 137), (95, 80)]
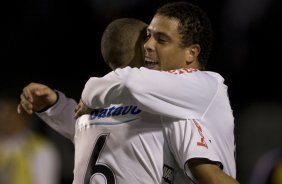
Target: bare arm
[(207, 173)]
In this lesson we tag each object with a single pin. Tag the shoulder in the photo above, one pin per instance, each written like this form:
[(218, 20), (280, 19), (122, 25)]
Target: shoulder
[(215, 75)]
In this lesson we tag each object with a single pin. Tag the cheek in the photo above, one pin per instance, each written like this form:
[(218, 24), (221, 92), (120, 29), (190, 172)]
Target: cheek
[(172, 55), (166, 53)]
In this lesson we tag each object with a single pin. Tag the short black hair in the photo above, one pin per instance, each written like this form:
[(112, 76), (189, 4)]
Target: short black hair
[(117, 42)]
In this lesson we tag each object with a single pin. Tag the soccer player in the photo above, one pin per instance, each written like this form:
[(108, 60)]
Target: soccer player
[(178, 44), (119, 143), (127, 161)]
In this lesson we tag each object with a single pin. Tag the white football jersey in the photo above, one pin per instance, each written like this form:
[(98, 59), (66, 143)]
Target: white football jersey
[(183, 93), (122, 144)]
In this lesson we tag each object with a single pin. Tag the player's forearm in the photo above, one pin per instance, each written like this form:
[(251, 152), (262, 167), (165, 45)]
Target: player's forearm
[(60, 116), (153, 91), (101, 92), (218, 178), (207, 173)]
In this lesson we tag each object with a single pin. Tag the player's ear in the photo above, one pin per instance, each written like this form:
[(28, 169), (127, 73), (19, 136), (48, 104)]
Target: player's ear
[(192, 53)]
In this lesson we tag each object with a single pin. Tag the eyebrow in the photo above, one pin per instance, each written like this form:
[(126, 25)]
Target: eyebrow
[(158, 33)]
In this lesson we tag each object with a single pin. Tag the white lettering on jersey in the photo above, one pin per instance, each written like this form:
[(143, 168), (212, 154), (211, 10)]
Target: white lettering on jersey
[(168, 174)]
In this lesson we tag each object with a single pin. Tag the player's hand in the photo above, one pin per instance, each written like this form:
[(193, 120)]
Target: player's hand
[(35, 97), (81, 109)]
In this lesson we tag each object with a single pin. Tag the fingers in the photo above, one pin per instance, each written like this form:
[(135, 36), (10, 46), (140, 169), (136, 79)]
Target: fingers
[(78, 111), (81, 109), (35, 89), (77, 114), (25, 105), (81, 112), (27, 94), (27, 97), (19, 109), (79, 106)]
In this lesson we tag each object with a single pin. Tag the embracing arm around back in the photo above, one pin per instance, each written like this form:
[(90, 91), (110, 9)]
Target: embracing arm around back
[(182, 94), (53, 107), (207, 173), (157, 92), (36, 97)]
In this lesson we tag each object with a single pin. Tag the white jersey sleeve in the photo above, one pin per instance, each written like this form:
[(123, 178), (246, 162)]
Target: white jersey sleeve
[(189, 140), (181, 93), (60, 116)]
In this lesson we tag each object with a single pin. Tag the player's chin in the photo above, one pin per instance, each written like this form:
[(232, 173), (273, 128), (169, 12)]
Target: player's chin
[(152, 66)]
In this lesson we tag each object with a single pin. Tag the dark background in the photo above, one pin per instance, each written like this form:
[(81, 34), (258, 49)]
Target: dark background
[(57, 42)]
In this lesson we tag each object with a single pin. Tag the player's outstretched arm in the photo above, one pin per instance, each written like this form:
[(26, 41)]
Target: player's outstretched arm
[(207, 173), (36, 97)]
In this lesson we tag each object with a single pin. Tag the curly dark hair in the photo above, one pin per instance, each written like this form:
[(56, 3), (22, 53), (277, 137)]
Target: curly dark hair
[(194, 26)]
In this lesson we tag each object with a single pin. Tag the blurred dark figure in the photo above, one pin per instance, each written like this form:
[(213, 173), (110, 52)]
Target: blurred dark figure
[(259, 143), (25, 156), (268, 169)]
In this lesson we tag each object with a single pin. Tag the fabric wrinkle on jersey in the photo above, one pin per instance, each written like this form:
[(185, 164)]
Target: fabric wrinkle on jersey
[(206, 89), (139, 143), (183, 93), (136, 151)]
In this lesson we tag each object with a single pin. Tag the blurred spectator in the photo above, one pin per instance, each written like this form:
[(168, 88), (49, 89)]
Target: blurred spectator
[(268, 169), (258, 130), (25, 156)]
